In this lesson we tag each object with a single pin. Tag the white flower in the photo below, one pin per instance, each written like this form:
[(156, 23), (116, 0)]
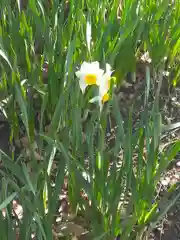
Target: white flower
[(89, 74), (146, 58), (104, 86)]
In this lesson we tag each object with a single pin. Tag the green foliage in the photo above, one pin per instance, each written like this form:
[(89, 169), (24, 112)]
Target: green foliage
[(120, 181)]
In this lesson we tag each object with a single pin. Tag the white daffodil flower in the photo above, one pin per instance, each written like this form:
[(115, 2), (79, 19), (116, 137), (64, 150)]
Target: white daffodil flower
[(89, 74), (104, 86)]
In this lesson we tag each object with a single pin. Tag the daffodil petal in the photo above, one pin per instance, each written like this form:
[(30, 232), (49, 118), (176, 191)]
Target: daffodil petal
[(78, 74), (88, 74), (82, 85), (95, 99), (108, 68), (84, 66), (95, 65), (100, 105)]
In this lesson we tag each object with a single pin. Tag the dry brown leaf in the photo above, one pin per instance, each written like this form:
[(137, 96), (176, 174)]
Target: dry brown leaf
[(72, 228)]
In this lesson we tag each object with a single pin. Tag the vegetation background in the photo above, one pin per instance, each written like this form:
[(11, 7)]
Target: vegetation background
[(67, 170)]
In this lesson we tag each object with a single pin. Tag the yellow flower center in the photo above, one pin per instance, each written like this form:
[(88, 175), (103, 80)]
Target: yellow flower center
[(109, 83), (105, 97), (90, 79)]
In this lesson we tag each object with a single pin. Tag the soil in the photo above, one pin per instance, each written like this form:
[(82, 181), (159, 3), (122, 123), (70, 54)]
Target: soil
[(170, 227)]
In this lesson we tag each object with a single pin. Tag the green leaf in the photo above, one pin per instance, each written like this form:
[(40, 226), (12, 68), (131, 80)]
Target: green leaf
[(23, 106), (12, 166), (7, 201), (4, 56), (38, 220), (27, 177)]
